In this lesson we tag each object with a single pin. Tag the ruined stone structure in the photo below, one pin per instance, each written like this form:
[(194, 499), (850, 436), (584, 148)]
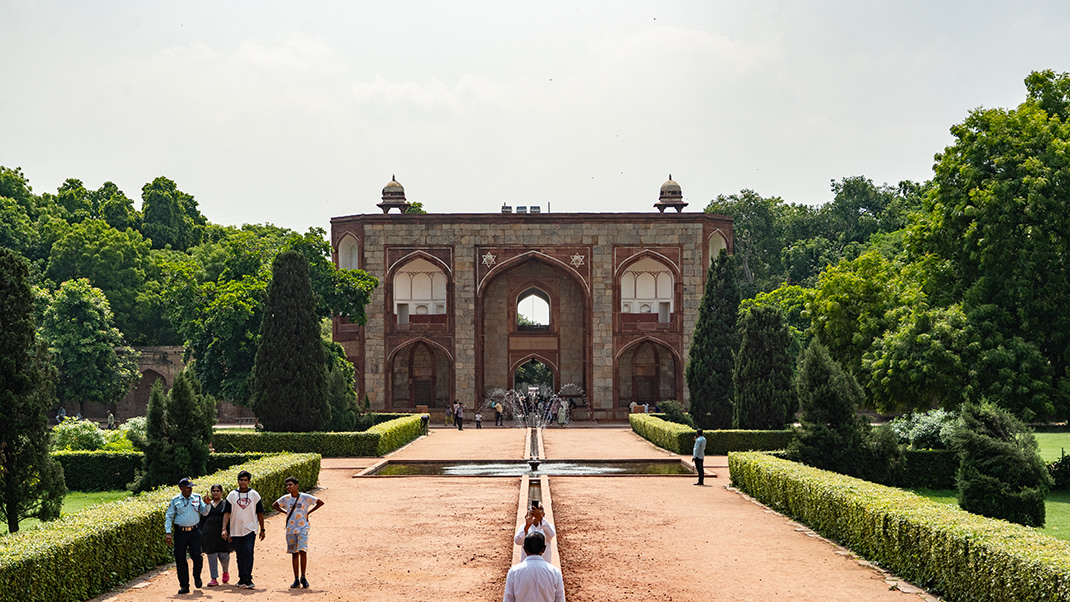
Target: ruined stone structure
[(622, 290)]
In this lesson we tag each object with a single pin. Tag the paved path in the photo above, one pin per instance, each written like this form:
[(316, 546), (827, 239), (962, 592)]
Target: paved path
[(620, 538)]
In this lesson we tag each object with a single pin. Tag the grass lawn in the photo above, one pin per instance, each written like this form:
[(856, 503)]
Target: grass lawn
[(1056, 508), (1052, 445), (75, 502)]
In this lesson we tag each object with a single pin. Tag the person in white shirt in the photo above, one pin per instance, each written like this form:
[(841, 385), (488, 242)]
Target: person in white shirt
[(535, 521), (243, 511), (533, 579)]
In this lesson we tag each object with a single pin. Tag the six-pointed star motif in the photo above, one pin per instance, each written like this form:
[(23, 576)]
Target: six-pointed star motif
[(488, 259), (577, 260)]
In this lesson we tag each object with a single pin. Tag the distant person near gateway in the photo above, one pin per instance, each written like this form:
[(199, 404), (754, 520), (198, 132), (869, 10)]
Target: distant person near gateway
[(699, 455)]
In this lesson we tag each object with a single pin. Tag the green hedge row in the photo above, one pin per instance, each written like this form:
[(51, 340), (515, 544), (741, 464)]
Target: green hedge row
[(960, 556), (376, 441), (81, 555), (108, 471), (680, 439)]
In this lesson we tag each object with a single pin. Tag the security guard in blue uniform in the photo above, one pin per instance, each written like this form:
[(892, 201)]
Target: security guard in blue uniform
[(184, 517)]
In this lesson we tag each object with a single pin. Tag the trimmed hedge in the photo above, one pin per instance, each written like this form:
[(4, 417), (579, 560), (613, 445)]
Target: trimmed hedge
[(680, 439), (960, 556), (81, 555), (108, 471), (380, 439)]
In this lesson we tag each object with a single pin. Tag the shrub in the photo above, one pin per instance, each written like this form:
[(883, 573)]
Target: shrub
[(1001, 474), (1060, 472), (674, 412), (929, 468), (680, 439), (930, 430), (117, 441), (391, 432), (959, 556), (77, 434)]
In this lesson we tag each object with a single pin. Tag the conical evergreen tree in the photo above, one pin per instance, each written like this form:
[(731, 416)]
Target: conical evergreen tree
[(289, 380), (713, 346), (31, 482), (178, 430), (831, 437), (763, 398), (1000, 475)]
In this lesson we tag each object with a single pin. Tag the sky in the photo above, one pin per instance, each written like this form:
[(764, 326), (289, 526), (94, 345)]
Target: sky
[(291, 113)]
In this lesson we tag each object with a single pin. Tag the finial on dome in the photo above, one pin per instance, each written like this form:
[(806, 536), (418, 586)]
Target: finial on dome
[(393, 196), (671, 196)]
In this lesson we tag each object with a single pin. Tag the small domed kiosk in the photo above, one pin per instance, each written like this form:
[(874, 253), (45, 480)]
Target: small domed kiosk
[(393, 196), (671, 196)]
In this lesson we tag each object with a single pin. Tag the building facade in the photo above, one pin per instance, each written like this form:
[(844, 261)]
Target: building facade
[(620, 292)]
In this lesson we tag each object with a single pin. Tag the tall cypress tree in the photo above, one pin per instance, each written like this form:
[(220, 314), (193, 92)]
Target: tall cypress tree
[(289, 380), (763, 394), (713, 346), (31, 482), (178, 429)]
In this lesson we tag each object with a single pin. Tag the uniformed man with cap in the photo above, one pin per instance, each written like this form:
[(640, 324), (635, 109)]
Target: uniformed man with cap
[(183, 517)]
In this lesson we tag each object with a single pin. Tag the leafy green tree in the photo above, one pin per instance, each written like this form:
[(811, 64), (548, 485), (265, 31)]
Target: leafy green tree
[(94, 363), (289, 376), (534, 372), (764, 370), (114, 207), (178, 432), (114, 262), (1000, 475), (996, 231), (758, 237), (15, 186), (852, 303), (831, 435), (713, 345), (415, 209), (790, 301), (31, 482), (170, 217)]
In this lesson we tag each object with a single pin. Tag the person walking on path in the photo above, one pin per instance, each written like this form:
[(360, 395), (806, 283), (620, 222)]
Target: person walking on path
[(535, 522), (459, 415), (533, 579), (111, 421), (699, 455), (498, 420), (297, 506), (243, 511), (184, 517), (214, 546)]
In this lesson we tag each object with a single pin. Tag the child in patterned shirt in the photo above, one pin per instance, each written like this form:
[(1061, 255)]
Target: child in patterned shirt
[(297, 507)]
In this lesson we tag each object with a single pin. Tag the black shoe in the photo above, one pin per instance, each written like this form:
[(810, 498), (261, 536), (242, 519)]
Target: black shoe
[(184, 590), (304, 583), (296, 583), (197, 582), (250, 585)]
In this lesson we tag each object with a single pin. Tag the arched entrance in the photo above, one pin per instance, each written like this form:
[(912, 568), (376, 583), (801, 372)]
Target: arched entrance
[(532, 307), (647, 372), (420, 374), (534, 373)]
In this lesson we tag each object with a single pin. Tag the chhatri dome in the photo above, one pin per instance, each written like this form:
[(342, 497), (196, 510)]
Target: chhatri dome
[(671, 196), (393, 196)]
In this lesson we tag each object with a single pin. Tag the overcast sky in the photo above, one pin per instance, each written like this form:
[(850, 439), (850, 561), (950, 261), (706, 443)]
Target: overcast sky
[(294, 112)]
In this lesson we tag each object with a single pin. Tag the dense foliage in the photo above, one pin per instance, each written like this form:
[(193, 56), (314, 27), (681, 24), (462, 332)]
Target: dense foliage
[(713, 347), (1001, 474), (289, 379), (763, 397), (178, 433), (31, 482)]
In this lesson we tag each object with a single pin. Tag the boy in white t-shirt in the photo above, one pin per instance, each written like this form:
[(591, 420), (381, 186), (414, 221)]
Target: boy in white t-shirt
[(297, 507), (244, 510)]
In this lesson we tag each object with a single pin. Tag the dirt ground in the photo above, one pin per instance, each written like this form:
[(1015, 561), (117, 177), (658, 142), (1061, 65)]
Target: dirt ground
[(409, 539)]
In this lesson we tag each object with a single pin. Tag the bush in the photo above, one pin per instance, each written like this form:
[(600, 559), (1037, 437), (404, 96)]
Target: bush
[(929, 468), (931, 430), (81, 555), (680, 439), (391, 432), (959, 556), (1001, 474), (108, 471), (77, 434), (117, 441), (1060, 472), (674, 412)]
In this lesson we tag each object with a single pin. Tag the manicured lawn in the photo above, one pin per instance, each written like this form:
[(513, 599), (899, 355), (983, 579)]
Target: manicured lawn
[(1052, 445), (75, 502), (1056, 508)]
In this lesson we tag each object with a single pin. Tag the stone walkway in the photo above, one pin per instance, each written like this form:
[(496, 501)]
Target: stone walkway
[(619, 538)]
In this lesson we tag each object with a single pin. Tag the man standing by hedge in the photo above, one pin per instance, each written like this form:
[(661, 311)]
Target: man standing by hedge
[(240, 517), (184, 517), (699, 455)]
